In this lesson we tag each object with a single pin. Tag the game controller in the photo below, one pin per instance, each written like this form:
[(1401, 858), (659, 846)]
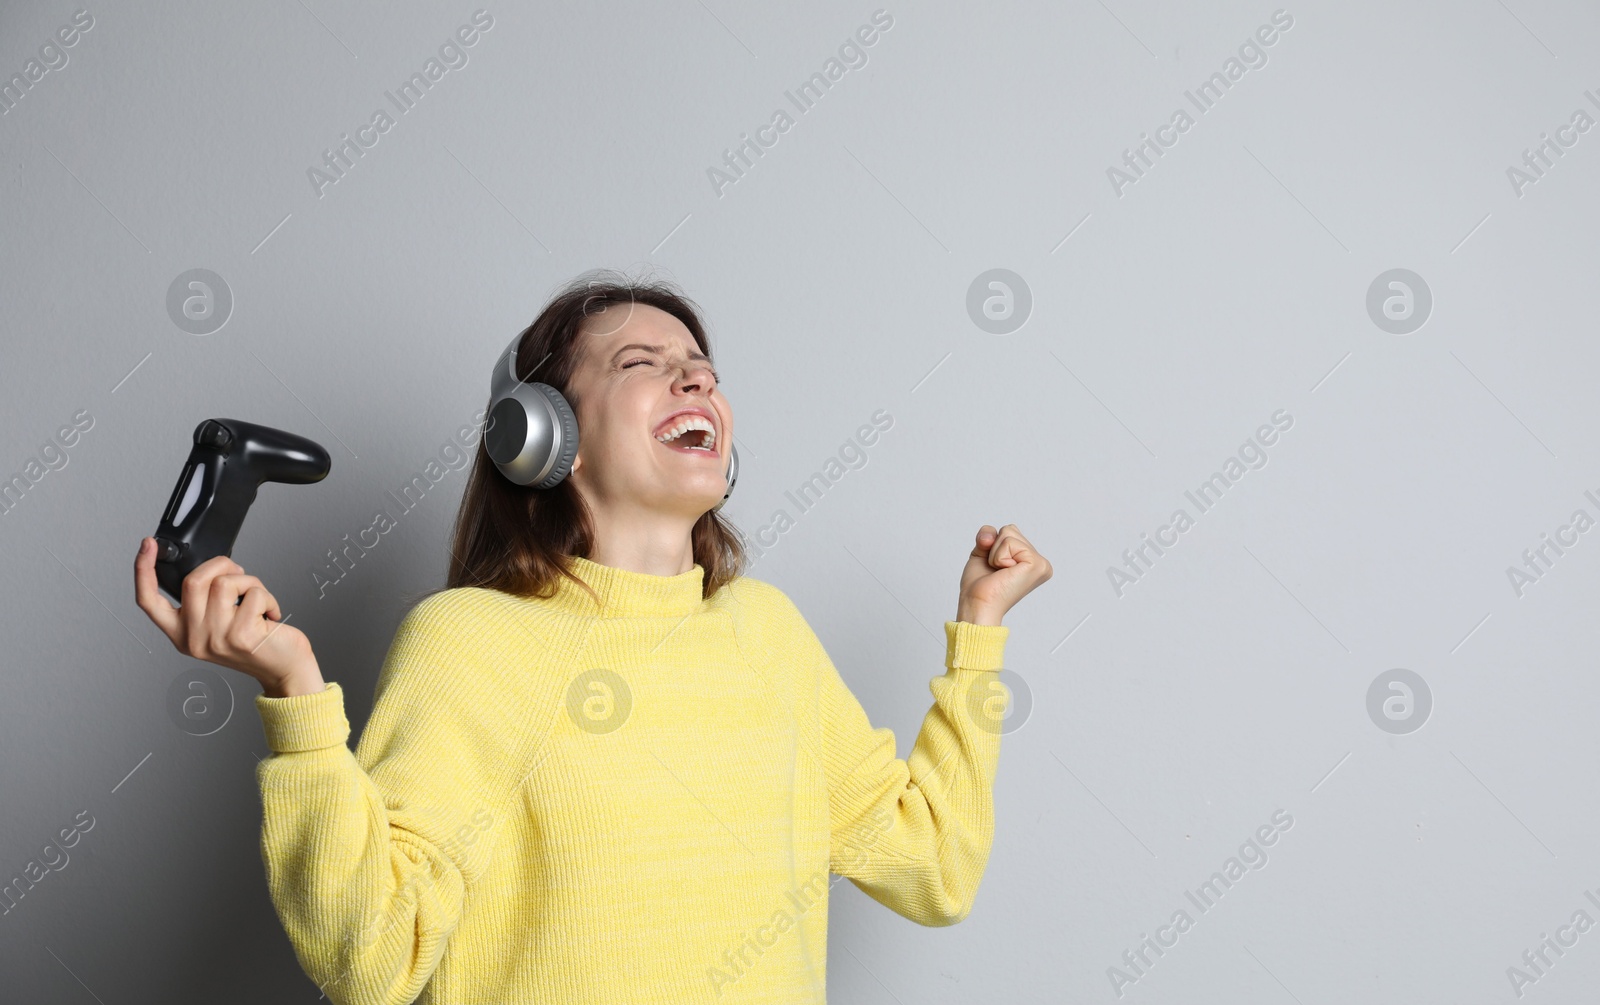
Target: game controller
[(228, 462)]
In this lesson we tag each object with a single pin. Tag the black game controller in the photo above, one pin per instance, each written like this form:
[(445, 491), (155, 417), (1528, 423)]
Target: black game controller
[(229, 461)]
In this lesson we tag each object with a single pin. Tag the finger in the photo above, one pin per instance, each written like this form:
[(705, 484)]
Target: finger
[(246, 632), (1016, 533), (1022, 552), (147, 592), (1025, 553), (217, 565), (1021, 555), (220, 610), (197, 587), (982, 546), (999, 548)]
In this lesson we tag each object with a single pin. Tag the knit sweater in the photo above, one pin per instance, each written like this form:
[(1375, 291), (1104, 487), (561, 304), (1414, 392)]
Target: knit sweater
[(639, 801)]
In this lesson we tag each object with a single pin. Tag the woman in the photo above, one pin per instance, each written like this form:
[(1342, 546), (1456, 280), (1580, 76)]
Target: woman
[(601, 765)]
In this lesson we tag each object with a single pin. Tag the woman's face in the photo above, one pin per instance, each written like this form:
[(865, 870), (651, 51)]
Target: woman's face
[(640, 376)]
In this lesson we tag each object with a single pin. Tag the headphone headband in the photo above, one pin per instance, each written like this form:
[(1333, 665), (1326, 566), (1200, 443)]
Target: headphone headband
[(505, 371)]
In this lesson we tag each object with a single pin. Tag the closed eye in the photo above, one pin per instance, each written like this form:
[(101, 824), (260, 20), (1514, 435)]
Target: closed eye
[(717, 378)]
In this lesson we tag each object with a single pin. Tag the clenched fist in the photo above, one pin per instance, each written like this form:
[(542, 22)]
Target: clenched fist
[(1001, 570)]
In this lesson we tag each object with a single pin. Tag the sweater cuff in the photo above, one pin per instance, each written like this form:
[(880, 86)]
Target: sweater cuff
[(304, 721), (974, 647)]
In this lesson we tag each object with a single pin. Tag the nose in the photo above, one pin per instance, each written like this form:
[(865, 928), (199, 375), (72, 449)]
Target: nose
[(695, 375)]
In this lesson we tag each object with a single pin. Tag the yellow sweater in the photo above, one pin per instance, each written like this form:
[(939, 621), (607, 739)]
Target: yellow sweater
[(641, 803)]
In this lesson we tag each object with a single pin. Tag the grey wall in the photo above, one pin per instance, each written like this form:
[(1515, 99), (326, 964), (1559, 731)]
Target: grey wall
[(1171, 316)]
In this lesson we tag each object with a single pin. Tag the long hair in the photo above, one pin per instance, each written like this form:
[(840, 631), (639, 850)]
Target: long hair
[(517, 538)]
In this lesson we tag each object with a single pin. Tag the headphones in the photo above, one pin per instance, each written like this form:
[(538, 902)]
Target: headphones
[(533, 436)]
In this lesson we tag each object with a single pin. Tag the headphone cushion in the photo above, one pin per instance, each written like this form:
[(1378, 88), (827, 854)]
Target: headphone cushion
[(569, 436)]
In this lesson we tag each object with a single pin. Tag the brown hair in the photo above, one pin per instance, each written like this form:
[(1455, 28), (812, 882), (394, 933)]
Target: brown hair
[(517, 538)]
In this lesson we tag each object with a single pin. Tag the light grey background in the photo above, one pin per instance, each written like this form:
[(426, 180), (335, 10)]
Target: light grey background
[(1228, 283)]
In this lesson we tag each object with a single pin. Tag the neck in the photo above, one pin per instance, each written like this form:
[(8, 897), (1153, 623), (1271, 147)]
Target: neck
[(647, 541), (622, 593)]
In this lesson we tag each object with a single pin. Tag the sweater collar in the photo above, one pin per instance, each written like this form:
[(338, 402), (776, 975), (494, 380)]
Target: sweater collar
[(629, 594)]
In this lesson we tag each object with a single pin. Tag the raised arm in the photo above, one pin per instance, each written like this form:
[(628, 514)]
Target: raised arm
[(915, 834)]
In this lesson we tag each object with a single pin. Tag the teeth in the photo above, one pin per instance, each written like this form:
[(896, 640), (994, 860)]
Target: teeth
[(692, 422)]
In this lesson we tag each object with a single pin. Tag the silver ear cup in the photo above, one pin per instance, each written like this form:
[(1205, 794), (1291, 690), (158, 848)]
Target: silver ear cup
[(533, 435), (733, 475)]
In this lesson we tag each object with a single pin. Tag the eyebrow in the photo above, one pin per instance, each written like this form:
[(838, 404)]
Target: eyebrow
[(658, 350)]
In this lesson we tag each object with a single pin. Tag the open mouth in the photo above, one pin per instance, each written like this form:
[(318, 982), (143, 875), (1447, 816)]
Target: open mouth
[(690, 434)]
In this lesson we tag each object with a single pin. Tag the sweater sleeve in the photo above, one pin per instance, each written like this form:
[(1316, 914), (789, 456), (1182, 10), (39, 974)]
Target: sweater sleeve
[(915, 834), (370, 855)]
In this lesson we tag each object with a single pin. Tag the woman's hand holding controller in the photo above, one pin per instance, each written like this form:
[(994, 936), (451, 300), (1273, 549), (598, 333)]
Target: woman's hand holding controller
[(230, 619)]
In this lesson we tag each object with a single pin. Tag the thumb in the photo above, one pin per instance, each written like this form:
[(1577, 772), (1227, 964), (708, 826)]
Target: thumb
[(985, 539)]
